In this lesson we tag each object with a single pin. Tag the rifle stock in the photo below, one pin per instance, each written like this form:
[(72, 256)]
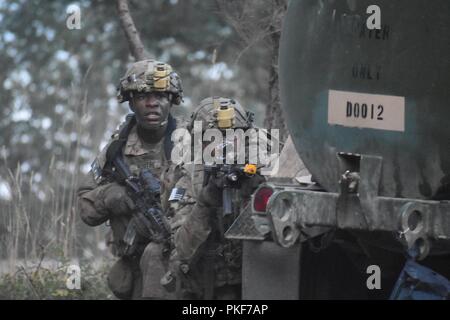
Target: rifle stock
[(148, 219)]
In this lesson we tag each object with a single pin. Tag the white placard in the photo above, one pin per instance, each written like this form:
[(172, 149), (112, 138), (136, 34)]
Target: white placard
[(364, 110)]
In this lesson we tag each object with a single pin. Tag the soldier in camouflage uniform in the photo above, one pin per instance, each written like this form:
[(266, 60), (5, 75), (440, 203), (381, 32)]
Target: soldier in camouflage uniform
[(151, 88), (205, 265)]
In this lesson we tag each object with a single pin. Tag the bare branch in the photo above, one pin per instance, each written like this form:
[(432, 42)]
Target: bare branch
[(259, 22), (30, 283), (133, 38)]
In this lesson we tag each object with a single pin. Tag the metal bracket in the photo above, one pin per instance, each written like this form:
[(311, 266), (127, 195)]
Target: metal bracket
[(412, 228), (283, 219), (418, 223), (367, 169)]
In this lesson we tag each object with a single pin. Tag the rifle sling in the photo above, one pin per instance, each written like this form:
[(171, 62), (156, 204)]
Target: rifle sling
[(115, 148)]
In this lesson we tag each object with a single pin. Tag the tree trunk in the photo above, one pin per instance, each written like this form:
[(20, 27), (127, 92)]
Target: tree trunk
[(254, 21), (133, 38), (274, 116)]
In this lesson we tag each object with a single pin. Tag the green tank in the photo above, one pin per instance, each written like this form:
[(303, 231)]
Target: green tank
[(368, 113), (346, 89)]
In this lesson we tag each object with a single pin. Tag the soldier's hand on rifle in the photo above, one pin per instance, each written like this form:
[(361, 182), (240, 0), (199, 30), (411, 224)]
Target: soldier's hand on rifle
[(176, 271), (116, 200), (248, 186), (211, 193)]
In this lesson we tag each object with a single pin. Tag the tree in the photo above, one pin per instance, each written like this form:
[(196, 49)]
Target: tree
[(260, 21), (58, 88), (134, 40)]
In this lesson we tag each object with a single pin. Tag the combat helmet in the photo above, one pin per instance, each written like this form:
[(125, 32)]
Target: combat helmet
[(221, 113), (150, 76)]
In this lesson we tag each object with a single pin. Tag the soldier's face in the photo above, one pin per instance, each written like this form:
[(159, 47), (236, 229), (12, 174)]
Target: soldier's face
[(151, 109)]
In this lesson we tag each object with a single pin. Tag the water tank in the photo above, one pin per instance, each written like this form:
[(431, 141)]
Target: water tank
[(382, 92)]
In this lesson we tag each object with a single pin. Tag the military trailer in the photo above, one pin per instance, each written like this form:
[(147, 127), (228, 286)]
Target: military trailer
[(368, 110)]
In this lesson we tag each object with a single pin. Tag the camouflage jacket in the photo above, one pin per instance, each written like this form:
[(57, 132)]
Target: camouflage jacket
[(138, 155), (199, 240)]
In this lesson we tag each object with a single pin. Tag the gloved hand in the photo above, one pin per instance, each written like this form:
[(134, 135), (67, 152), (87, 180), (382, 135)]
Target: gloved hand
[(177, 272), (211, 194), (115, 200), (250, 185)]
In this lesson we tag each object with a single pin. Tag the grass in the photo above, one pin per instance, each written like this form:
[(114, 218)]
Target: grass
[(49, 283), (40, 232), (40, 237)]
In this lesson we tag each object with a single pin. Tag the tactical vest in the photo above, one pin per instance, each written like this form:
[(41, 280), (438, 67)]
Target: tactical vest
[(221, 257), (145, 161), (155, 161)]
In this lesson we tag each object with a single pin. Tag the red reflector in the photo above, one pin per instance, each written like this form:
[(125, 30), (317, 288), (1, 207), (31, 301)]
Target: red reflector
[(262, 198)]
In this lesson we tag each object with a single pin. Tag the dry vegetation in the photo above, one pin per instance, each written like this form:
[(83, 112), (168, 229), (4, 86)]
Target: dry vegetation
[(41, 234)]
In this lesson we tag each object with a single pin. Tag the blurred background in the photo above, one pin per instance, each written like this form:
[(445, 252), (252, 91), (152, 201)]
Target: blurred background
[(58, 109)]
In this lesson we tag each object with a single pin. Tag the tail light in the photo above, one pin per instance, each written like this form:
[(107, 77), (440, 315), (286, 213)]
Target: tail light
[(261, 198)]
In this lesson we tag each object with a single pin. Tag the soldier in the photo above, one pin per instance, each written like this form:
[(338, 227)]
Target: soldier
[(143, 141), (205, 265)]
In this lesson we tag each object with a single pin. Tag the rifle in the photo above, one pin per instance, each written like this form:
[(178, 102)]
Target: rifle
[(148, 219), (231, 178)]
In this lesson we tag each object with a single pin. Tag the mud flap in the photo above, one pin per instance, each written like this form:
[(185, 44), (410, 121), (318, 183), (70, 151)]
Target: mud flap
[(270, 272)]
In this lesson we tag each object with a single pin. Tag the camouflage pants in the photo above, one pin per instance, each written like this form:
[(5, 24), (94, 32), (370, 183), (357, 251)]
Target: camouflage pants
[(215, 275), (154, 265), (125, 279)]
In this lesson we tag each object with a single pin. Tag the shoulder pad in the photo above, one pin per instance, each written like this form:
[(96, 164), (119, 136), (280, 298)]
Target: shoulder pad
[(197, 176), (99, 163), (187, 168), (116, 133), (96, 171)]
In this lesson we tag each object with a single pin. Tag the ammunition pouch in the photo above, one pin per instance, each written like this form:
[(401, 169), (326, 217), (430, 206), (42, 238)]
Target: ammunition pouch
[(121, 278)]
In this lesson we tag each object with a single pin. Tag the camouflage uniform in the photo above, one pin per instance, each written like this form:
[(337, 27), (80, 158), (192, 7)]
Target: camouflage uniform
[(102, 199), (155, 262), (207, 264)]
